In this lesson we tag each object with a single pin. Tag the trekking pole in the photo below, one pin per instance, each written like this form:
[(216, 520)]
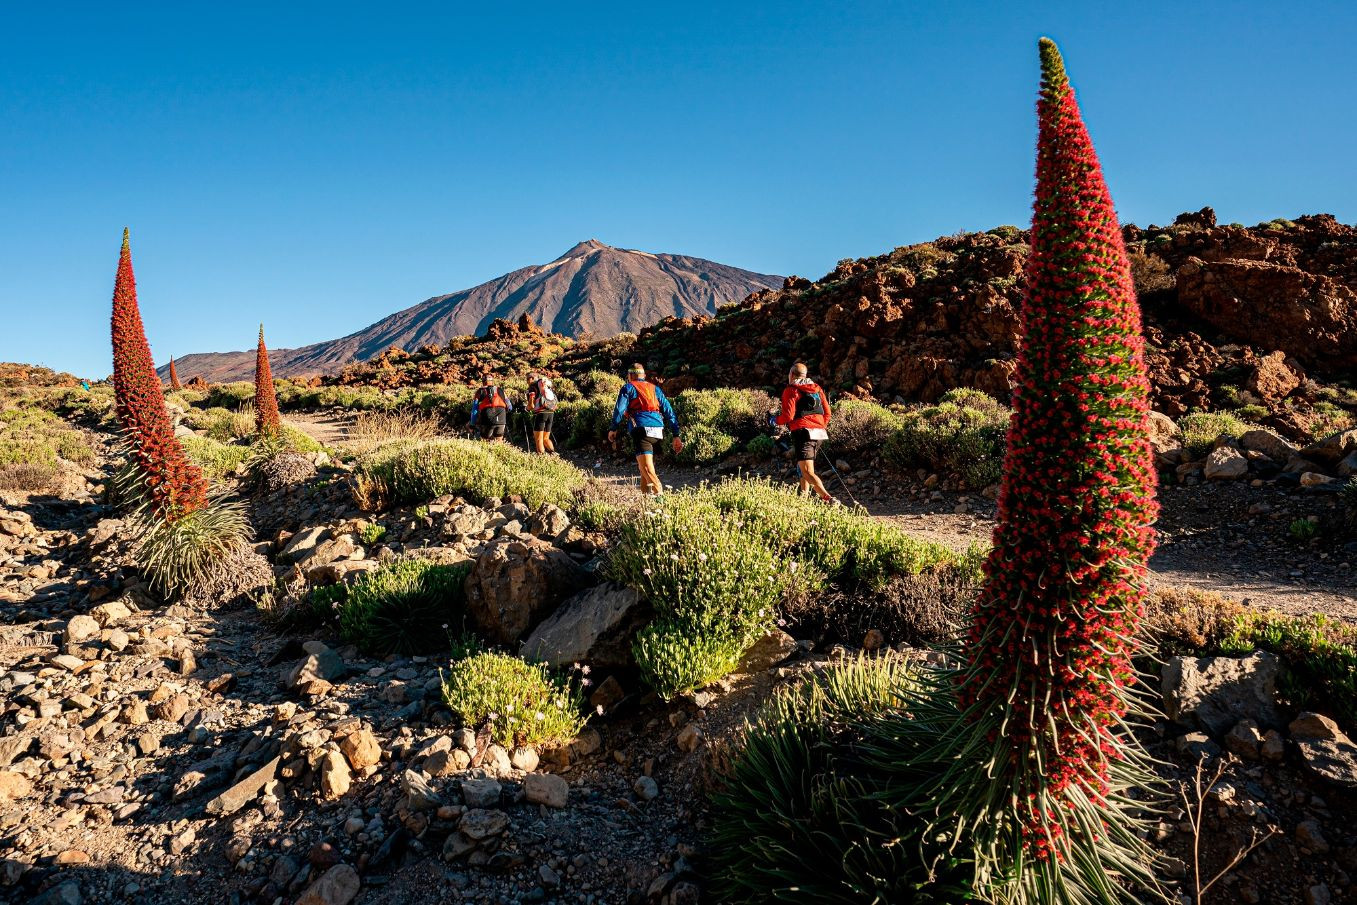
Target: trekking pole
[(842, 482)]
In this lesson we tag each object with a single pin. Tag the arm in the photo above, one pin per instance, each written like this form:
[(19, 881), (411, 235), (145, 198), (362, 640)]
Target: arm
[(475, 408), (667, 411), (788, 406), (624, 397), (824, 397)]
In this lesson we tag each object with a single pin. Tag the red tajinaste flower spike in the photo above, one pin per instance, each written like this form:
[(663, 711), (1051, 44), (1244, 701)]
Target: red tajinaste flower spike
[(174, 485), (1064, 583), (266, 417), (174, 377)]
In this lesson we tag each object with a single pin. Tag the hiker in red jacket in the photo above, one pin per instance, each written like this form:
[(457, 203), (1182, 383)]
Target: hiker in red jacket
[(805, 412)]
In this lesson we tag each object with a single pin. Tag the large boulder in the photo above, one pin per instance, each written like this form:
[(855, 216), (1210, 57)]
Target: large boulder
[(515, 583), (1332, 449), (1272, 378), (1327, 752), (1215, 693), (1225, 464), (1269, 444), (595, 626)]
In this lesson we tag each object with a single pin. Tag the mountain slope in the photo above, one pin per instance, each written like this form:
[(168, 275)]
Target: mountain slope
[(591, 289)]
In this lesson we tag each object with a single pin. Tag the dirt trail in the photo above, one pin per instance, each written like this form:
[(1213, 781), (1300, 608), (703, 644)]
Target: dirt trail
[(332, 430)]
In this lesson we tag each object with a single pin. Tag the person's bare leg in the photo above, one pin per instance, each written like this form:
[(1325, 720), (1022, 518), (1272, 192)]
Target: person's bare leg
[(811, 481), (548, 443), (537, 443), (650, 482)]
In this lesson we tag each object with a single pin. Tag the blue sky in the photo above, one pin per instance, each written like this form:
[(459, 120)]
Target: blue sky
[(316, 166)]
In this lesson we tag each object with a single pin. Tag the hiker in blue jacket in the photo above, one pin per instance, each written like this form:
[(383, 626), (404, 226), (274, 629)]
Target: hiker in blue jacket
[(646, 410)]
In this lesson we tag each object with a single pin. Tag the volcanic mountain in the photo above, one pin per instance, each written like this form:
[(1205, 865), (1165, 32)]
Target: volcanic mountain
[(591, 289)]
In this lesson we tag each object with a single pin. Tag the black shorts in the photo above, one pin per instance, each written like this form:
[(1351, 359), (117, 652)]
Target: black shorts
[(644, 446), (492, 422), (541, 422), (805, 447)]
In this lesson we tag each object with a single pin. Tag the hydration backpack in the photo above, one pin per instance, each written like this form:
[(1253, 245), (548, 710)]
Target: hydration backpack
[(491, 398), (646, 400), (809, 400), (546, 397)]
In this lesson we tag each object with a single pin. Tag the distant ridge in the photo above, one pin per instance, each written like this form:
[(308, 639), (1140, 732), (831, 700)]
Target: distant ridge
[(591, 289)]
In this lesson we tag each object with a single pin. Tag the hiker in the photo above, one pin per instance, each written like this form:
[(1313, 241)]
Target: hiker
[(646, 411), (805, 412), (542, 407), (491, 408)]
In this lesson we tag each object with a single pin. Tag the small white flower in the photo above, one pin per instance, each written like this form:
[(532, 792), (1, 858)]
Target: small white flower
[(445, 626), (585, 683), (492, 716), (541, 716), (645, 571), (585, 669), (701, 557), (599, 710)]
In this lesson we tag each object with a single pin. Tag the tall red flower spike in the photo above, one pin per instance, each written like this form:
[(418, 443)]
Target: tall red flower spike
[(174, 485), (1049, 650), (266, 418), (174, 377)]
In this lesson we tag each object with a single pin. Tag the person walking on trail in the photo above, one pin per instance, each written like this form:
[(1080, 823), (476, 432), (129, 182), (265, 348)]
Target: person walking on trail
[(542, 408), (646, 410), (491, 408), (805, 412)]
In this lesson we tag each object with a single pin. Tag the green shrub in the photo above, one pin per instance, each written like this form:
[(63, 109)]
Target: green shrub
[(179, 556), (229, 395), (761, 446), (714, 587), (216, 459), (416, 472), (1303, 530), (704, 444), (797, 818), (740, 413), (523, 703), (841, 543), (1201, 430), (963, 434), (372, 533), (405, 607), (1318, 654), (861, 426), (222, 425)]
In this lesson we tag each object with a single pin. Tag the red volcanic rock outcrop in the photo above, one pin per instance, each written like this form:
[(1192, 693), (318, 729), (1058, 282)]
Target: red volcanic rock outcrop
[(1227, 308)]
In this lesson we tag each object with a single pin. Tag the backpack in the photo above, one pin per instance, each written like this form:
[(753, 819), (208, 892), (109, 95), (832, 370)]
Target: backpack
[(646, 400), (546, 397), (809, 400), (490, 398)]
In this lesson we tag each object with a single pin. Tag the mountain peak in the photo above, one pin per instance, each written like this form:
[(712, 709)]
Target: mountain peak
[(588, 246)]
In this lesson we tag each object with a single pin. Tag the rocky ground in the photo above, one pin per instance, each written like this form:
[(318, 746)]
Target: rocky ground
[(185, 754)]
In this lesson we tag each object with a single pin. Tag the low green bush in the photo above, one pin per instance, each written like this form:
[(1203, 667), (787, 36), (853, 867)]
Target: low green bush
[(861, 426), (372, 533), (738, 413), (704, 444), (405, 607), (1318, 654), (964, 434), (416, 472), (841, 543), (762, 446), (523, 703), (718, 562), (216, 459), (229, 395), (1201, 430), (714, 587)]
